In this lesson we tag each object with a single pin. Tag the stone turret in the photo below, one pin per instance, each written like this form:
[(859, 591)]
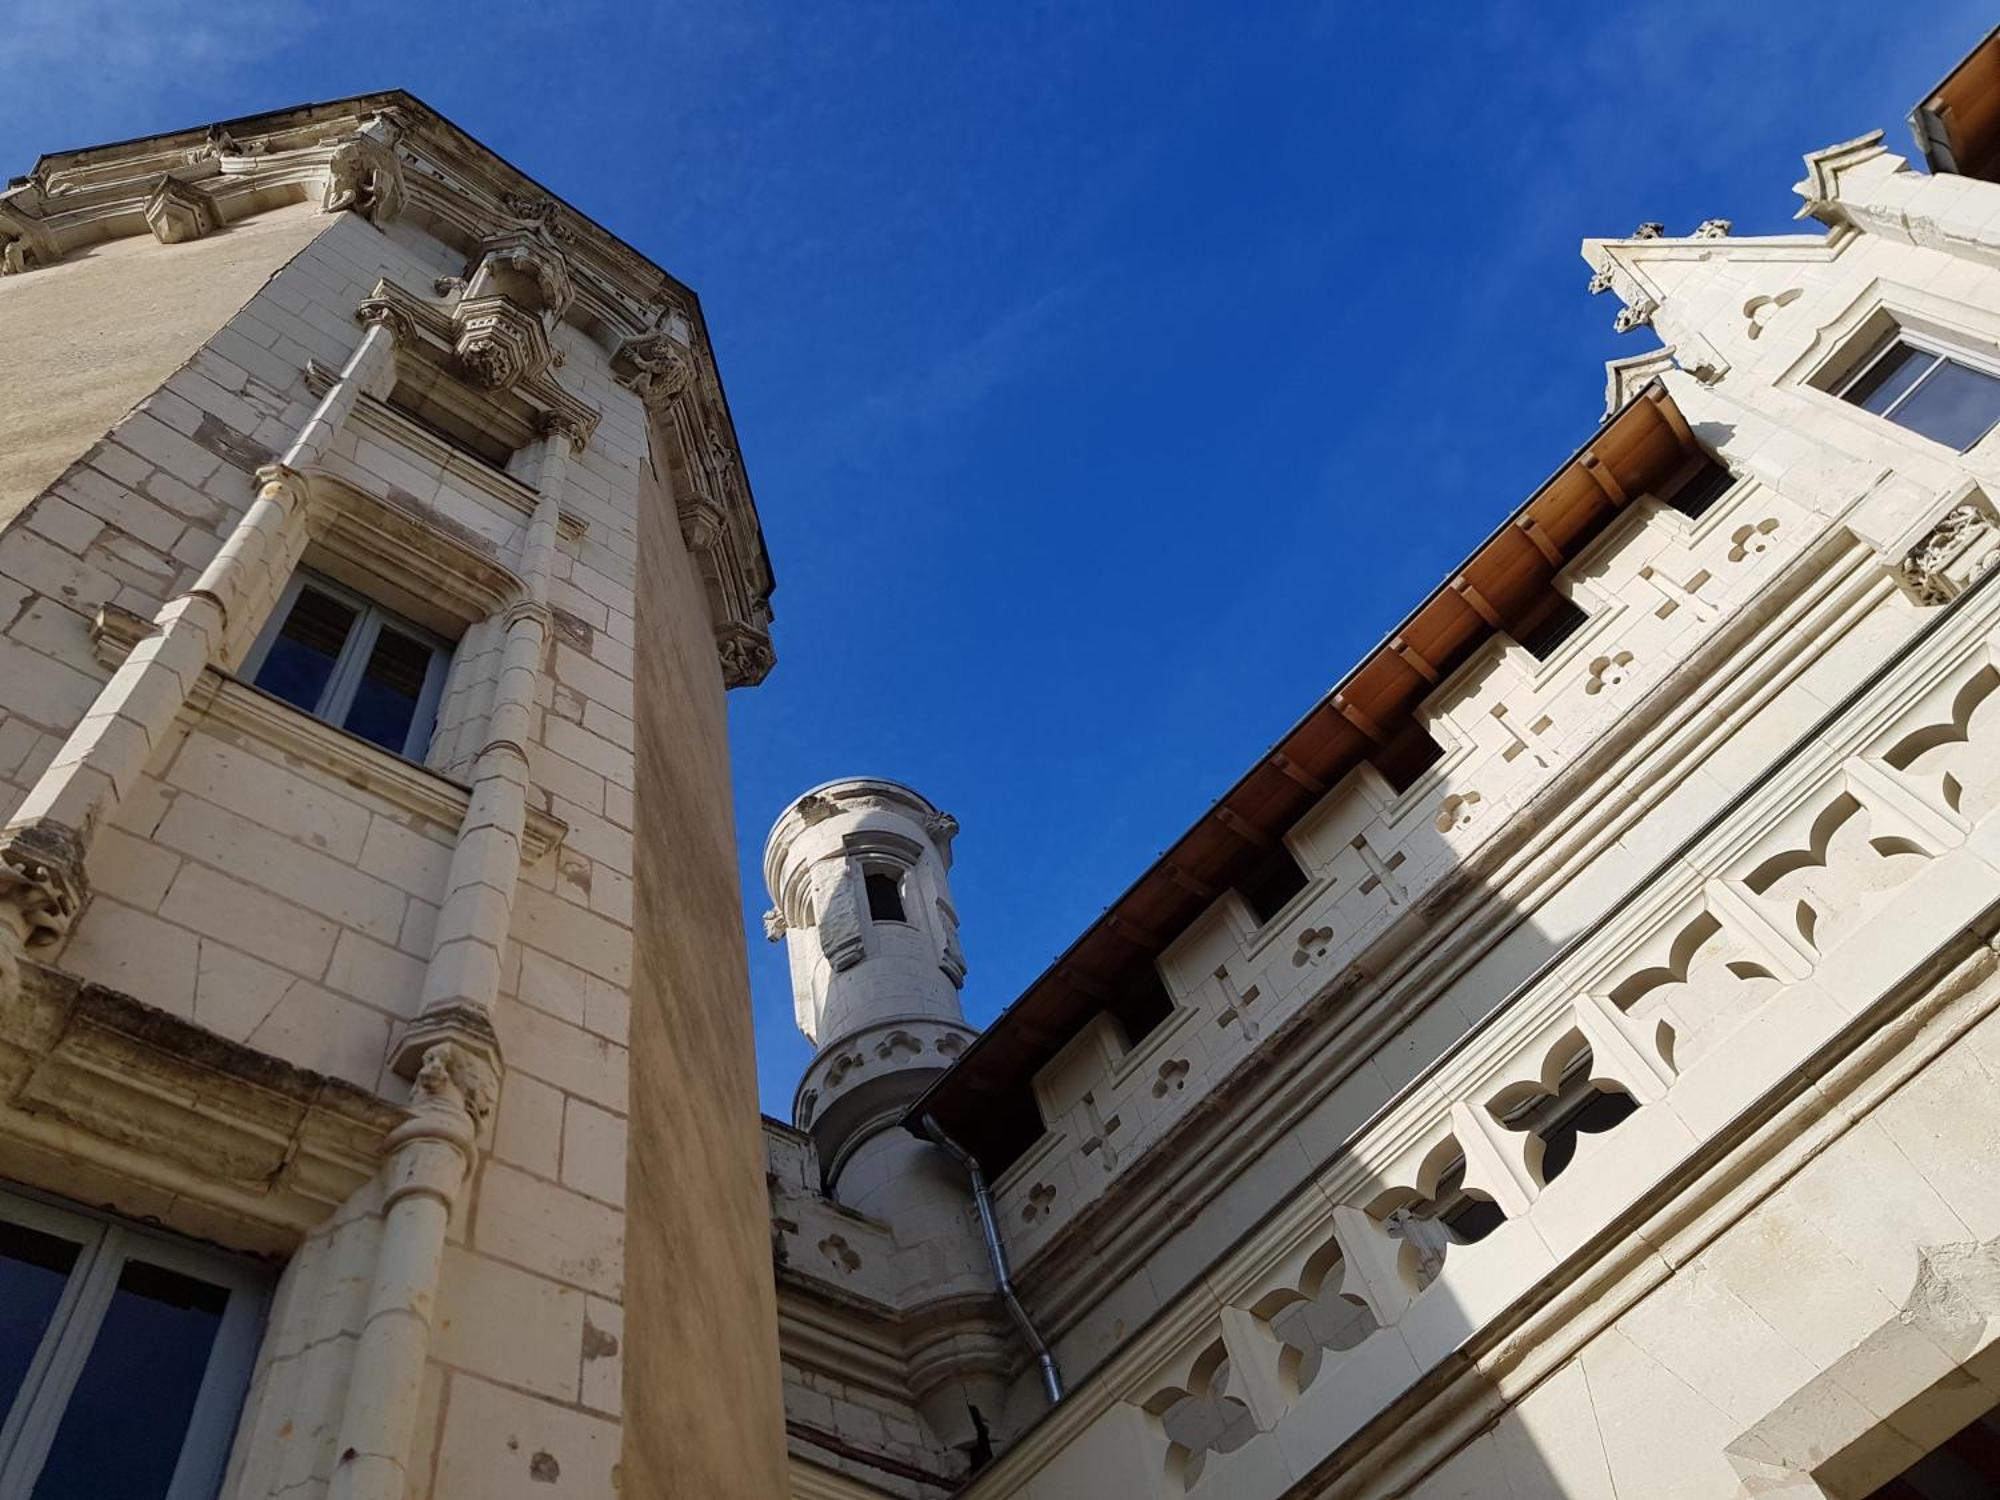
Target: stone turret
[(858, 874)]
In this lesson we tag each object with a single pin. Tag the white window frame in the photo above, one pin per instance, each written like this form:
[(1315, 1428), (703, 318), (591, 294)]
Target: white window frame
[(345, 681), (1942, 351), (28, 1430)]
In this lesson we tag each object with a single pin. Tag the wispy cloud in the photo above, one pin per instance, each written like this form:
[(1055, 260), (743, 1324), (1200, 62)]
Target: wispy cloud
[(107, 46)]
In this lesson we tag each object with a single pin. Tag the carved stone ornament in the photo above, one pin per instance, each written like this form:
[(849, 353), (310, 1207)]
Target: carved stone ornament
[(363, 174), (500, 345), (775, 926), (1638, 315), (701, 520), (1652, 229), (1958, 550), (656, 367), (747, 657), (178, 211), (42, 891), (1600, 281), (520, 286), (544, 213), (1713, 229)]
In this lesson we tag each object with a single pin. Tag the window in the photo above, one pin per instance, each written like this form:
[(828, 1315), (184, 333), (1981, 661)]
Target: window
[(1934, 394), (1271, 883), (1699, 492), (351, 663), (123, 1358), (1556, 621), (885, 896)]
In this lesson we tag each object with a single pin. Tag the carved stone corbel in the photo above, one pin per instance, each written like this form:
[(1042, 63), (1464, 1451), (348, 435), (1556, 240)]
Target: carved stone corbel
[(179, 211), (747, 657), (517, 291), (363, 174), (43, 890), (656, 367)]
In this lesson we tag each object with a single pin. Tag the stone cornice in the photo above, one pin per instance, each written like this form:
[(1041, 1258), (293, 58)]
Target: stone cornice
[(389, 156), (131, 1104)]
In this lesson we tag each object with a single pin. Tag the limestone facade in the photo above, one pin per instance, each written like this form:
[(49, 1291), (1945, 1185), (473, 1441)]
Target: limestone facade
[(347, 1024), (1589, 1084)]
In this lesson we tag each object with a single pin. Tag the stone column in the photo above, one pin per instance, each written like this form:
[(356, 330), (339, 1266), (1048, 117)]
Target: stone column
[(462, 980), (428, 1160), (44, 845)]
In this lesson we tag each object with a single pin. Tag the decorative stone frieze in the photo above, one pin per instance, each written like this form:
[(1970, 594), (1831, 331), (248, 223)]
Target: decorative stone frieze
[(1952, 556), (177, 211)]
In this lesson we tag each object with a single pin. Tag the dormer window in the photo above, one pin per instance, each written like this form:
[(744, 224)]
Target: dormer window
[(1935, 393), (885, 896), (347, 660)]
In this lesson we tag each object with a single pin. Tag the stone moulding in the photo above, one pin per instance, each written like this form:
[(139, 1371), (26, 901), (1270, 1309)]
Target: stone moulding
[(497, 484), (124, 1103), (428, 350), (345, 758)]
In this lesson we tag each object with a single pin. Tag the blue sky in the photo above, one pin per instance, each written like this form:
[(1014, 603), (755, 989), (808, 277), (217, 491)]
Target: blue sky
[(1110, 376)]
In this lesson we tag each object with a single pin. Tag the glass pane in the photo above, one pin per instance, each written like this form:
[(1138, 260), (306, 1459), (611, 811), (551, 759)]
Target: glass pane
[(1956, 406), (121, 1433), (386, 701), (1894, 373), (302, 657), (34, 1268)]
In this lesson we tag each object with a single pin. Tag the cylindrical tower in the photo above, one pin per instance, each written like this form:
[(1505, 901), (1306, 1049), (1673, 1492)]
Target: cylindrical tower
[(857, 871)]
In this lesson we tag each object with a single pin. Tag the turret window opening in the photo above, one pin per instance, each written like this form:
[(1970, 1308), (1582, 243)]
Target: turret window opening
[(1934, 391), (885, 896)]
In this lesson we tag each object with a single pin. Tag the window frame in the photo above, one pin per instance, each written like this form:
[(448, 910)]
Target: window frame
[(336, 699), (29, 1425), (1942, 352)]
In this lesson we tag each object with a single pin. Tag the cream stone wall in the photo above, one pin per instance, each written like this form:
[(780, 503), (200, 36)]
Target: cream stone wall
[(94, 334), (281, 895)]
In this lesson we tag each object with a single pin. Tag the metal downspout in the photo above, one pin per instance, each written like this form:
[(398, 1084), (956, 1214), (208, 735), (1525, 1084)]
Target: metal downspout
[(996, 1250)]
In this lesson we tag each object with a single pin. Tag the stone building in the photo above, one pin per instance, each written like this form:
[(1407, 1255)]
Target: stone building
[(1566, 1063), (371, 531)]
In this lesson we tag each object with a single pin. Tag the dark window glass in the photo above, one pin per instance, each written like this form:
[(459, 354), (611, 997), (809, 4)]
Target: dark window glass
[(121, 1433), (1886, 381), (1708, 485), (300, 662), (1560, 619), (385, 703), (34, 1268), (885, 898), (1956, 405), (1271, 882)]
